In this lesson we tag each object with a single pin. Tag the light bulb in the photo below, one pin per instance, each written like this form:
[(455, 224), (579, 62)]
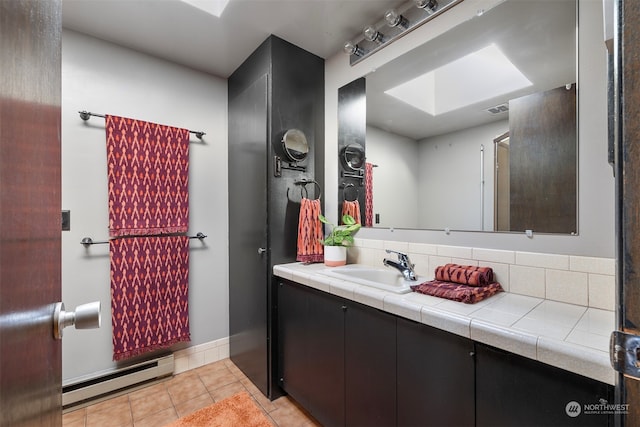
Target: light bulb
[(394, 19), (371, 34), (352, 49), (429, 6)]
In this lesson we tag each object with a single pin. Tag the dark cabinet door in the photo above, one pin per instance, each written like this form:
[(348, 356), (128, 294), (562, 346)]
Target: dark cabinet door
[(325, 327), (436, 380), (370, 367), (514, 391), (248, 260), (311, 355), (293, 366)]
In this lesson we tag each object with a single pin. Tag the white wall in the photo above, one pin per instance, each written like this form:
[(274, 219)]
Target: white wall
[(453, 194), (395, 180), (105, 78), (596, 185)]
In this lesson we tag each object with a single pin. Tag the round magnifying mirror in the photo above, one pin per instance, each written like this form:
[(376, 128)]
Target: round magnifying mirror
[(295, 145), (353, 156)]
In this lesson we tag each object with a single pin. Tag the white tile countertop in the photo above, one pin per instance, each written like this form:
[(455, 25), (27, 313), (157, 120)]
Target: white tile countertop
[(572, 337)]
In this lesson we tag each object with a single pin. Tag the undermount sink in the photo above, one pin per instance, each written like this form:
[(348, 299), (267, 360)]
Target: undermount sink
[(387, 279)]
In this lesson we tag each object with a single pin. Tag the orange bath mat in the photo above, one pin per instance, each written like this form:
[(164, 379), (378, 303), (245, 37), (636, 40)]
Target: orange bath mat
[(237, 410)]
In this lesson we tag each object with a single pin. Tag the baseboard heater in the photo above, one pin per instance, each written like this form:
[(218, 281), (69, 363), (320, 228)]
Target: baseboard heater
[(117, 379)]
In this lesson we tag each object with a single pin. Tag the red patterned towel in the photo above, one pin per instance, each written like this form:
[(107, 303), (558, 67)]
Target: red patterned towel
[(148, 174), (368, 194), (149, 293), (310, 232), (351, 208), (465, 274), (457, 291)]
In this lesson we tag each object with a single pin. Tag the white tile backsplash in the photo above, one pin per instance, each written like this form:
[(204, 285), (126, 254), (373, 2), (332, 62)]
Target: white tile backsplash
[(527, 281), (593, 265), (587, 281), (500, 273), (567, 286), (423, 248), (397, 246), (455, 252), (532, 259), (602, 291), (493, 255), (369, 243)]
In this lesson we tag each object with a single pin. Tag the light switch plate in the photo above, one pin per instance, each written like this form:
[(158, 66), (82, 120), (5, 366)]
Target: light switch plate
[(66, 220)]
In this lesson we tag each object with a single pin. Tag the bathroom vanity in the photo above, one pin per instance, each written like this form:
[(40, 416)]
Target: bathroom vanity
[(354, 355)]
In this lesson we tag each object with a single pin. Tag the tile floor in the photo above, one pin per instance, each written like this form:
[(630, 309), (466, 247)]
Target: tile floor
[(164, 402)]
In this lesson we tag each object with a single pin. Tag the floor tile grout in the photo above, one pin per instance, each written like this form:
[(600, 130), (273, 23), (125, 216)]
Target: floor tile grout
[(285, 412)]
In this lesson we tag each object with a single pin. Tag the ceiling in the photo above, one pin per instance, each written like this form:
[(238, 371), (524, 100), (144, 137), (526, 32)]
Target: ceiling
[(181, 33)]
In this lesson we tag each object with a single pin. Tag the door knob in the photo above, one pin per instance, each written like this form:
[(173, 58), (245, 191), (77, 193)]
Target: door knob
[(261, 251), (86, 316)]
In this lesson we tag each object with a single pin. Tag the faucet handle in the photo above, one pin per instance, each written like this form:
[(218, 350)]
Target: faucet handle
[(402, 257)]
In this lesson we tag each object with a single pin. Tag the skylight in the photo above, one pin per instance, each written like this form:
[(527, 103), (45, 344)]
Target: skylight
[(213, 7), (451, 86)]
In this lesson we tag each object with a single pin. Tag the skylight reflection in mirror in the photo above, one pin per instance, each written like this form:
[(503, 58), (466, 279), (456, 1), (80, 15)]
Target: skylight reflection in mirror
[(451, 86)]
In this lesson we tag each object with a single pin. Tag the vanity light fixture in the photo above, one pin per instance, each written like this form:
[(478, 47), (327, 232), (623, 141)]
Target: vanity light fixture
[(396, 23), (394, 19)]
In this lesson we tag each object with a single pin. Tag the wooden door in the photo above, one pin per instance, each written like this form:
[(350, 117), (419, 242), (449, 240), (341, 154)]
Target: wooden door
[(30, 222), (501, 183), (543, 162), (627, 171)]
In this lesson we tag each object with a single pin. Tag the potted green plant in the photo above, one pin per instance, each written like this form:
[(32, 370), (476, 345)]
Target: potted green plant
[(336, 242)]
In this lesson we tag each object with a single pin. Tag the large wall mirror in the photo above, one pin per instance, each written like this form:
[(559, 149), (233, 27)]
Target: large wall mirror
[(476, 130)]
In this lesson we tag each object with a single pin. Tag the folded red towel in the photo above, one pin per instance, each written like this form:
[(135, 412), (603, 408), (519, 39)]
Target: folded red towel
[(457, 291), (465, 274)]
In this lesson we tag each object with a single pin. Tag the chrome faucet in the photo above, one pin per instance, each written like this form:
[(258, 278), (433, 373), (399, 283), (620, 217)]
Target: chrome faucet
[(403, 265)]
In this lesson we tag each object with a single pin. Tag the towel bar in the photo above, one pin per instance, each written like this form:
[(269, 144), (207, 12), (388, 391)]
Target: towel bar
[(86, 115), (88, 241)]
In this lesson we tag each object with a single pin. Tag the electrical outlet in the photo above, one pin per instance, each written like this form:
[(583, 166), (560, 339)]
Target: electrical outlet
[(66, 220)]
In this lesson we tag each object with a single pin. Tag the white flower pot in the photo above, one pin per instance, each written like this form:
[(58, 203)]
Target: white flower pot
[(335, 256)]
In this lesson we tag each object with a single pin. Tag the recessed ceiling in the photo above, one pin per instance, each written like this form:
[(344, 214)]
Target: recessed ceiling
[(180, 32), (451, 86)]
